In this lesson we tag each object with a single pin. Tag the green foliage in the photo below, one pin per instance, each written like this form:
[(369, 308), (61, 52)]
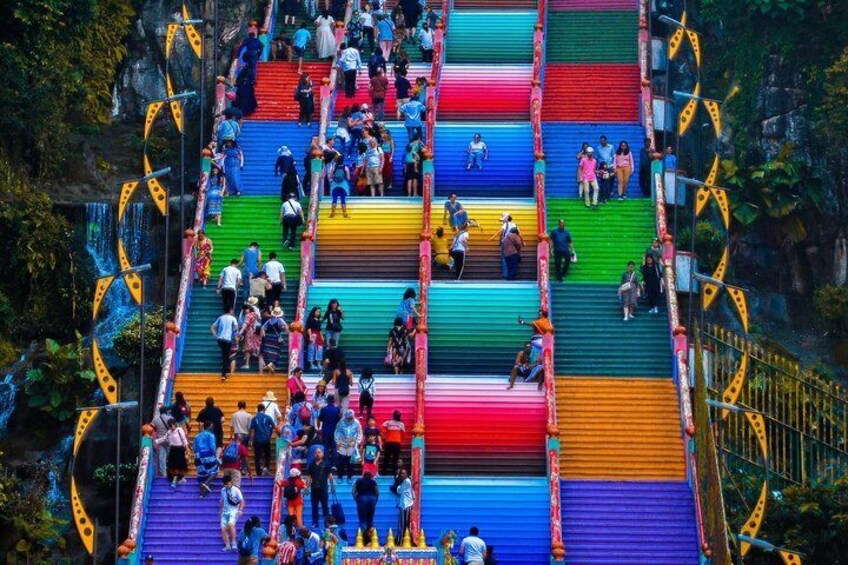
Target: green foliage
[(709, 242), (785, 195), (60, 379), (833, 120), (831, 303), (104, 475), (127, 343), (59, 61), (43, 281), (31, 534)]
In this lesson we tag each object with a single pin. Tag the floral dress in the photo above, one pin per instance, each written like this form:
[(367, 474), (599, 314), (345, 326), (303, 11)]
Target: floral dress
[(203, 260), (250, 334)]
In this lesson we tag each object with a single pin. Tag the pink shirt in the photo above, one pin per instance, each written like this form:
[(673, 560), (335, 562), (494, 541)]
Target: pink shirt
[(587, 169), (624, 160)]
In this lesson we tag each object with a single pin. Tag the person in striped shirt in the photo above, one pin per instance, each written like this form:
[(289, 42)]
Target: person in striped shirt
[(287, 552)]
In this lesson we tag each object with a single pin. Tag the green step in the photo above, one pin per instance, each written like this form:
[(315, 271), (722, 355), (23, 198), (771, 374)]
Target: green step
[(369, 310), (473, 328), (591, 37), (490, 37), (604, 239), (591, 338)]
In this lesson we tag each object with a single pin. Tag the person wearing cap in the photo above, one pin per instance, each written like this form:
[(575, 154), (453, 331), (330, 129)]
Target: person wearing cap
[(348, 436), (589, 178), (328, 419), (291, 216), (293, 488), (225, 329), (477, 151)]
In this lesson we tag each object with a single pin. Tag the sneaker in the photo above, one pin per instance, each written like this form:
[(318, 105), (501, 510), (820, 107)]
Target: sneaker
[(204, 489), (266, 471), (182, 481), (625, 319), (226, 548), (174, 485), (234, 546)]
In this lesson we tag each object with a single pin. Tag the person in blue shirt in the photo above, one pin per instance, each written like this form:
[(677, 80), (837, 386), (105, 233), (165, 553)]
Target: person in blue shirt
[(413, 115), (605, 154), (328, 419), (301, 38), (374, 159), (563, 250), (669, 159), (250, 540), (261, 429), (229, 129), (206, 457), (386, 35), (356, 122)]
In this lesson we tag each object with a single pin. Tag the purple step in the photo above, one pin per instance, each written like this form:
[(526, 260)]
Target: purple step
[(183, 528), (610, 523)]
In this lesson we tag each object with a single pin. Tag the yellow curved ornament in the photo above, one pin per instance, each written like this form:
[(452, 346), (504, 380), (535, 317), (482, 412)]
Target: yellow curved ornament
[(741, 304), (734, 389), (100, 290), (127, 190), (711, 290), (169, 38), (790, 558), (132, 280), (712, 177), (758, 423), (723, 205), (157, 191), (696, 46), (86, 419), (194, 38), (82, 520), (714, 110), (688, 112), (152, 110), (676, 39), (104, 377), (755, 520), (702, 197), (176, 108)]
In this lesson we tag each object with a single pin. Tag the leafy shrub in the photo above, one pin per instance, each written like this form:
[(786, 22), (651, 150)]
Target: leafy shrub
[(104, 475), (60, 379), (710, 242), (127, 343), (831, 303)]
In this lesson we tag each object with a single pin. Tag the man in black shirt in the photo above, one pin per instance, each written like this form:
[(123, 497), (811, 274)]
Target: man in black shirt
[(215, 416), (563, 249), (319, 472)]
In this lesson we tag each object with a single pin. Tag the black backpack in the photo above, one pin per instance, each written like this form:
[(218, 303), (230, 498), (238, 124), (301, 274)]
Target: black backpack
[(290, 491)]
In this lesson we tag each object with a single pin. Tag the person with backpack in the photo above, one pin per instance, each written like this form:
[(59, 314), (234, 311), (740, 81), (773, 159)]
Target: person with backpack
[(230, 508), (262, 427), (250, 541), (234, 459), (319, 472), (269, 401), (393, 431), (206, 458), (181, 411), (367, 390), (161, 424), (301, 413), (293, 494)]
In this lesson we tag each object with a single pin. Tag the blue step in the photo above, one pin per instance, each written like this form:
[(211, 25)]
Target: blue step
[(259, 141)]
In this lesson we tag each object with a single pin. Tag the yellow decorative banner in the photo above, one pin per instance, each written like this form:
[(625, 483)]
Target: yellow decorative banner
[(711, 290), (696, 46), (714, 110), (83, 522), (157, 191), (176, 108), (169, 38), (734, 389), (712, 178), (789, 557), (100, 290), (104, 377), (741, 304), (701, 199), (688, 112), (755, 520), (723, 205), (150, 118), (127, 190), (194, 38), (86, 419), (676, 39), (132, 280)]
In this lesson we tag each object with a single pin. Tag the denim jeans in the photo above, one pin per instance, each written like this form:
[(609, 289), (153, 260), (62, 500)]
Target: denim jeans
[(475, 159)]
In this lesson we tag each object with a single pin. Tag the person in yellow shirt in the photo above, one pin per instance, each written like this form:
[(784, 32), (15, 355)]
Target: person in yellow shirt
[(441, 254)]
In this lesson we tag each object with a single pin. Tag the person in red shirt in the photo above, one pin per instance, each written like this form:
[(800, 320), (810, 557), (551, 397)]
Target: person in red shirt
[(287, 552), (293, 493), (234, 459), (378, 87), (393, 431)]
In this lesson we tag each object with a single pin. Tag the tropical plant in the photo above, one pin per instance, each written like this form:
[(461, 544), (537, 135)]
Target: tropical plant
[(831, 303), (127, 343), (60, 379), (785, 195), (104, 475), (709, 242)]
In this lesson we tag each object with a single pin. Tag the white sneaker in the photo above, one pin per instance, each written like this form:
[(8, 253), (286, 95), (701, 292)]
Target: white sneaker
[(626, 318), (226, 548), (234, 546)]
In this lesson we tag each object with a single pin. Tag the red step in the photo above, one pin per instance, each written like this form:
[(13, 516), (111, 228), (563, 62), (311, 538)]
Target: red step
[(275, 83), (591, 93)]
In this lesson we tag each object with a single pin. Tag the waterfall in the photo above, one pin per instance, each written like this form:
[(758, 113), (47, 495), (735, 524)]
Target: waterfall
[(57, 496), (102, 245)]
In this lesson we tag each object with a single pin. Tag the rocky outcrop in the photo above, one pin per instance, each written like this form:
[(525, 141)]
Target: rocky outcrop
[(782, 101)]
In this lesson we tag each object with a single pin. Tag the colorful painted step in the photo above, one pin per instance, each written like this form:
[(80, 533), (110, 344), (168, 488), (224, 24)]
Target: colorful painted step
[(507, 174), (369, 310), (592, 37), (458, 408), (364, 97), (495, 4), (473, 327), (562, 141), (492, 92), (592, 339), (183, 529), (610, 523), (483, 261), (566, 97), (260, 141), (476, 36), (275, 85), (378, 241), (619, 429), (604, 239), (590, 5), (512, 514), (401, 139)]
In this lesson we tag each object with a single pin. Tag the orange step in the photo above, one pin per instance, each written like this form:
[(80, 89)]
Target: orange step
[(619, 429)]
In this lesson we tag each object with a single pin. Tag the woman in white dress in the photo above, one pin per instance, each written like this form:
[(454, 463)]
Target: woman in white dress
[(325, 41)]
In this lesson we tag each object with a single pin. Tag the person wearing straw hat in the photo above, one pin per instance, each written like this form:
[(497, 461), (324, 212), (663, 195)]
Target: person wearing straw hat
[(269, 403), (273, 332)]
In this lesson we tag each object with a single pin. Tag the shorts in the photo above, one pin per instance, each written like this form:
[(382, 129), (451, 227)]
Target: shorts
[(339, 194), (373, 175), (229, 517), (409, 171), (299, 51)]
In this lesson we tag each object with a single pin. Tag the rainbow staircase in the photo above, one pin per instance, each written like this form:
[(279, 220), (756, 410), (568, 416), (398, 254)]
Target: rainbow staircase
[(624, 493), (485, 452)]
